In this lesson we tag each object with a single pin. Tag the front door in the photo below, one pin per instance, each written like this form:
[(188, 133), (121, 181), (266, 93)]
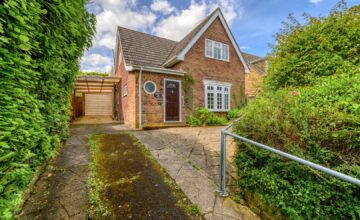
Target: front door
[(172, 101)]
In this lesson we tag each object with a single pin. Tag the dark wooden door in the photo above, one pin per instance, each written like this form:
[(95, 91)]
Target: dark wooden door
[(79, 103), (172, 100)]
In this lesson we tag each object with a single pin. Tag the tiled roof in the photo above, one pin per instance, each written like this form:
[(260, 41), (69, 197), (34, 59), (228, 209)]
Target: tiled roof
[(256, 62), (182, 44), (144, 49), (149, 50), (250, 57)]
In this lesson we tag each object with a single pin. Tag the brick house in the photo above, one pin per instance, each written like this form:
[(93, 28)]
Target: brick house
[(253, 79), (164, 81)]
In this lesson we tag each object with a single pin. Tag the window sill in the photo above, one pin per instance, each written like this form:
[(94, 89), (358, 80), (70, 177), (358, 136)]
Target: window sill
[(218, 110), (217, 59)]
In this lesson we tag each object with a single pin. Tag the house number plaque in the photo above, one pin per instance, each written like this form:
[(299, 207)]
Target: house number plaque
[(158, 96)]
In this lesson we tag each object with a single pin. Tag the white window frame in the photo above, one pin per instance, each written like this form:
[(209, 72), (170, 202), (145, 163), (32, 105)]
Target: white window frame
[(216, 84), (149, 81), (125, 90), (212, 51)]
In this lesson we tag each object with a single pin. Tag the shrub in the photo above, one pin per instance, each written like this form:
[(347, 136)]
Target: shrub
[(322, 47), (92, 74), (312, 115), (234, 114), (320, 123), (40, 46), (203, 116)]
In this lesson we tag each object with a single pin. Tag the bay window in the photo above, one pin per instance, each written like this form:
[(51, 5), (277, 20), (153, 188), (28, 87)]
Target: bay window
[(217, 95)]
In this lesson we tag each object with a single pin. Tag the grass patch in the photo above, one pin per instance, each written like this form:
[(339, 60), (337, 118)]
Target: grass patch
[(125, 181), (97, 208)]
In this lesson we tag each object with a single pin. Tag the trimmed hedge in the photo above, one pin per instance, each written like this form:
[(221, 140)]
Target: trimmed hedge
[(41, 43), (311, 108)]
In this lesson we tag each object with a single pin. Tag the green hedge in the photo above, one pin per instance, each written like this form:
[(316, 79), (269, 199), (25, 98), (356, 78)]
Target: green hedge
[(203, 116), (321, 124), (309, 114), (41, 43)]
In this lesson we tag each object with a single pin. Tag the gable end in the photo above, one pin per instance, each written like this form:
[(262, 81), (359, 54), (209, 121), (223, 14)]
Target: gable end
[(217, 14)]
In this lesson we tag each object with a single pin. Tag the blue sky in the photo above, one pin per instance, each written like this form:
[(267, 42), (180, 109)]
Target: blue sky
[(253, 22)]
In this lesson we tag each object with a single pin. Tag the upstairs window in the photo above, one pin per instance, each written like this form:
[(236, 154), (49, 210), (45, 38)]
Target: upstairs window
[(216, 50)]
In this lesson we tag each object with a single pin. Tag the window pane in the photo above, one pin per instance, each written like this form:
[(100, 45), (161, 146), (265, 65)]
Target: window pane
[(210, 88), (225, 52), (150, 87), (217, 52), (210, 100), (208, 46), (226, 90), (219, 88), (219, 101), (226, 97)]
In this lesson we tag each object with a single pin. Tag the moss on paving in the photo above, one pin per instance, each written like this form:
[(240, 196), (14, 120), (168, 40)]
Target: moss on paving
[(125, 181)]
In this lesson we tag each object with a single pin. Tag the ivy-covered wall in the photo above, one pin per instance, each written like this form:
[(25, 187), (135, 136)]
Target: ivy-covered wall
[(41, 43)]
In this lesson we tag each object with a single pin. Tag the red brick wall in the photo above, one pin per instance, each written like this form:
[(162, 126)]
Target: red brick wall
[(152, 112), (203, 68), (195, 63), (127, 110), (253, 81)]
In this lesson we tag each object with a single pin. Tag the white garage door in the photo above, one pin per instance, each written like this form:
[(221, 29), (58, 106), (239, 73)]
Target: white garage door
[(98, 104)]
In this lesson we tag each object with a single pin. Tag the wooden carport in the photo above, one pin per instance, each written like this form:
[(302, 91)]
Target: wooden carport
[(103, 88)]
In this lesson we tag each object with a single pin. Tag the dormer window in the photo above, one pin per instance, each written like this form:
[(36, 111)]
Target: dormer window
[(216, 50)]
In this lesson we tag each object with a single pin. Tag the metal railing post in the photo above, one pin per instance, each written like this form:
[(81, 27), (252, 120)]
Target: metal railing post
[(223, 180), (221, 162)]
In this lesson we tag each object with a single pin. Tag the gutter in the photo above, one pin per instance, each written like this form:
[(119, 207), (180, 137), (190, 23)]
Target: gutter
[(140, 107), (155, 70), (172, 61)]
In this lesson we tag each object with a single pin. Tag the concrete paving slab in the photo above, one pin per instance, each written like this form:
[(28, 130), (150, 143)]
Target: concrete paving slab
[(191, 157)]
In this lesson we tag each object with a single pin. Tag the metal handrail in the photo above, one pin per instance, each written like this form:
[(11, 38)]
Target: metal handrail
[(225, 132)]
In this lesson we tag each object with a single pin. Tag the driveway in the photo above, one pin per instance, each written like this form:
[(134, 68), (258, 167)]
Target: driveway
[(191, 157), (199, 145), (61, 192)]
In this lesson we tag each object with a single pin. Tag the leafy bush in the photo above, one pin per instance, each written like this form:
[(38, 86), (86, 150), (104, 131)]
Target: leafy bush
[(40, 46), (316, 118), (322, 47), (203, 116), (92, 74), (234, 114)]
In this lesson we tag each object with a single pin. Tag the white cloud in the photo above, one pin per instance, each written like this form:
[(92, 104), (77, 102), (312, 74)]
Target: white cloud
[(315, 1), (162, 6), (177, 25), (161, 17), (96, 62), (113, 13), (244, 48), (109, 15)]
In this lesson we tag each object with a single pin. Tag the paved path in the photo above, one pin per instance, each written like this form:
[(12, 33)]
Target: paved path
[(60, 192), (191, 157)]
